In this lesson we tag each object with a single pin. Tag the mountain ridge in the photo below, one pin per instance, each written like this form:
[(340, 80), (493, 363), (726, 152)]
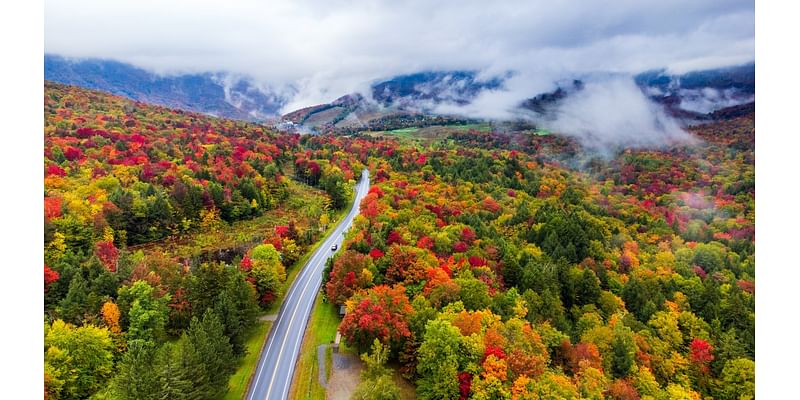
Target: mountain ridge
[(398, 101), (216, 94)]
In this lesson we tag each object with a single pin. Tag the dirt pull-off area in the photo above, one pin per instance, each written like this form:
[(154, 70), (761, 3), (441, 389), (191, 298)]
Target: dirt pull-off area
[(345, 376)]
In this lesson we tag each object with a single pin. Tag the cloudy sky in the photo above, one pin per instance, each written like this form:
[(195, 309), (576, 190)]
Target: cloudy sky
[(325, 48)]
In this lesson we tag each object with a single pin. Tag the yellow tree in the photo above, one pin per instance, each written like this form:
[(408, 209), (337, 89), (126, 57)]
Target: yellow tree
[(110, 313), (591, 381), (324, 220), (494, 367)]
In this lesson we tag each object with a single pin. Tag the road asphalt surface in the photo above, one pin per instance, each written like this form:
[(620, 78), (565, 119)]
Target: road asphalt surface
[(276, 364)]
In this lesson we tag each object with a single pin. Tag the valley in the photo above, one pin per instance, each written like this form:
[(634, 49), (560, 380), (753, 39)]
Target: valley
[(486, 259)]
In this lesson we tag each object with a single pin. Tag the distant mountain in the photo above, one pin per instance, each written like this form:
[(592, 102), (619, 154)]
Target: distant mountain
[(396, 102), (691, 97), (220, 94), (432, 87), (741, 77), (701, 92), (401, 101), (353, 112), (412, 99), (214, 94), (543, 102)]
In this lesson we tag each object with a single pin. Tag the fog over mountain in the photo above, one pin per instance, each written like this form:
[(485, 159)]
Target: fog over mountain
[(219, 94), (468, 57)]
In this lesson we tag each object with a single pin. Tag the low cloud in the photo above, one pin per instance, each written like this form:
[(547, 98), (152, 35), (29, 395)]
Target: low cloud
[(312, 52), (321, 49), (607, 113), (707, 100), (611, 113)]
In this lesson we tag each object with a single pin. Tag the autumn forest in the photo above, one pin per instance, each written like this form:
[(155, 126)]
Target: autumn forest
[(482, 265)]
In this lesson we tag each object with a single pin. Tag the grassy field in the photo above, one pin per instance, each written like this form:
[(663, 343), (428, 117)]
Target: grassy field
[(431, 133), (483, 127), (321, 330), (237, 385), (405, 132), (409, 132)]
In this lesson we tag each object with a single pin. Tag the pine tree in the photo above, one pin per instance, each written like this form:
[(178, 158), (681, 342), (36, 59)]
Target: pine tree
[(213, 350), (72, 308), (245, 301), (588, 288), (206, 283), (623, 351), (231, 320), (173, 373), (136, 377)]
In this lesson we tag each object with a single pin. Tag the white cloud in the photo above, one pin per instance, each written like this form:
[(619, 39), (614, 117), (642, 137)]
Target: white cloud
[(324, 49), (707, 100), (593, 116)]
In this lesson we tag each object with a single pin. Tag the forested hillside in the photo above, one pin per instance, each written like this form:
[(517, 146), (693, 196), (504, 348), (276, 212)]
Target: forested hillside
[(492, 274), (146, 209), (486, 265)]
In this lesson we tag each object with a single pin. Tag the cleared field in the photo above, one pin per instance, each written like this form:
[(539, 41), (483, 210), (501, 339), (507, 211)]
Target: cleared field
[(302, 199), (432, 133), (542, 132), (484, 127), (407, 132)]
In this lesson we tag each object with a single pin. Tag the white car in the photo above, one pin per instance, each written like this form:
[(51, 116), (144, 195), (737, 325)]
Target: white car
[(334, 247)]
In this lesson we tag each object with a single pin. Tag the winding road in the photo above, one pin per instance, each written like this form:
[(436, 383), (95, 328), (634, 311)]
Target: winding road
[(277, 361)]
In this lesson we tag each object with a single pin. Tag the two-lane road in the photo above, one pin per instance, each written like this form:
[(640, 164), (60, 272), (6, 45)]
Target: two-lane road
[(277, 361)]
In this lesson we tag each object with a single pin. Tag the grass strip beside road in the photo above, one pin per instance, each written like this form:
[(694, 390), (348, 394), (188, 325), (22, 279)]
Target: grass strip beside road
[(321, 329), (237, 385)]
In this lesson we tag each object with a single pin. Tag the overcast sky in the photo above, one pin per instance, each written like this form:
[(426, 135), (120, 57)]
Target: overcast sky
[(326, 48)]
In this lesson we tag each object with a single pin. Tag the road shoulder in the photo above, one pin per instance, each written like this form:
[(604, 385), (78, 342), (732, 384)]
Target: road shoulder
[(321, 330)]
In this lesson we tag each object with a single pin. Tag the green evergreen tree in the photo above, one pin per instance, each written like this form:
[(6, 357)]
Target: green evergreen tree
[(234, 319), (206, 283), (174, 372), (213, 350), (137, 377), (73, 307), (588, 288), (623, 351)]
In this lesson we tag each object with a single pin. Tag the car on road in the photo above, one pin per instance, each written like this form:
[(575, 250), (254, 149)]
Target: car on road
[(334, 247)]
